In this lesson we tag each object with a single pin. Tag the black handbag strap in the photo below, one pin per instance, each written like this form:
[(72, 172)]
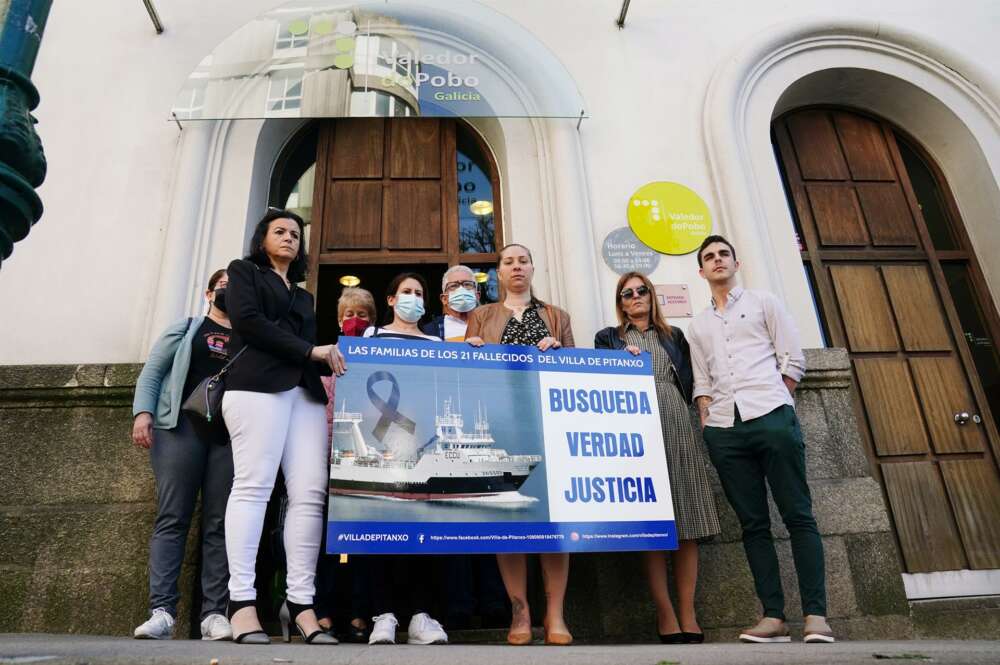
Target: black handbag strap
[(225, 368)]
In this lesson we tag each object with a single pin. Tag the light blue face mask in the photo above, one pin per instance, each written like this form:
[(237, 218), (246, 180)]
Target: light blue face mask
[(409, 307), (462, 300)]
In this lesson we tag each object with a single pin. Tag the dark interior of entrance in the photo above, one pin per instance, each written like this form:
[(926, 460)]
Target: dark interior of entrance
[(375, 278)]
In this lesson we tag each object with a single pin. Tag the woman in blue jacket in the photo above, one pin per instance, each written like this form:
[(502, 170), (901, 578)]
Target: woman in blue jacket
[(186, 457), (643, 329)]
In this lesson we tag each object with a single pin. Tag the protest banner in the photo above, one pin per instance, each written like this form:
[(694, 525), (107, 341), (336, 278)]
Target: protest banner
[(448, 448)]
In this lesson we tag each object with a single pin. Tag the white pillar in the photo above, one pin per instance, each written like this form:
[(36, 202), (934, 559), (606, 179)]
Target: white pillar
[(172, 295), (577, 285)]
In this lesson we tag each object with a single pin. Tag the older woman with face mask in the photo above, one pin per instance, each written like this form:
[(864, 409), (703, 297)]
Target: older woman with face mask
[(521, 318)]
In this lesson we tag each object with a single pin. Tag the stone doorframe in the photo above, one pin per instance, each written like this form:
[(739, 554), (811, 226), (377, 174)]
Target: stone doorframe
[(944, 101)]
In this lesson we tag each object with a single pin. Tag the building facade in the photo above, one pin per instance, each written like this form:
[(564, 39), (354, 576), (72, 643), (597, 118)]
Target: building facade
[(851, 153)]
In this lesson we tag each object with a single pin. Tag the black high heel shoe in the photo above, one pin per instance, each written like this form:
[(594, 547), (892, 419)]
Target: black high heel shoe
[(672, 638), (693, 638), (287, 614), (252, 637)]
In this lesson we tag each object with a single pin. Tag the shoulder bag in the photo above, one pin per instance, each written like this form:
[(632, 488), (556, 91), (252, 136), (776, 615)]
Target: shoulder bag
[(205, 401)]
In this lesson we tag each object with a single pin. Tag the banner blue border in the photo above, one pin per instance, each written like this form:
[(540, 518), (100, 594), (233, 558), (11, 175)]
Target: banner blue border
[(493, 356), (402, 532), (493, 537)]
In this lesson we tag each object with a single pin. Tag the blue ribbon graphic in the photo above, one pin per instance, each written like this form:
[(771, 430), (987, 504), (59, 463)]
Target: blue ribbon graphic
[(390, 414)]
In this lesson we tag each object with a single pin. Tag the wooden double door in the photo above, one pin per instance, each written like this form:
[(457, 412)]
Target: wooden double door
[(396, 195), (896, 282), (388, 190)]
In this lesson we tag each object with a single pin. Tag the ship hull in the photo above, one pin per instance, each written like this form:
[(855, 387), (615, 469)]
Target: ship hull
[(434, 489)]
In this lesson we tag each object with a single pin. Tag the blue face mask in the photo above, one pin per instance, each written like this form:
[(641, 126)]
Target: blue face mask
[(462, 300), (409, 307)]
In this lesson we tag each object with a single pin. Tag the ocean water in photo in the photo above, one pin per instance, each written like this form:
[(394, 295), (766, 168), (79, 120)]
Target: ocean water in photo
[(498, 508)]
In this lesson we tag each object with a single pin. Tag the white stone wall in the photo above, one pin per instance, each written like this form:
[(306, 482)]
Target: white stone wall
[(139, 213)]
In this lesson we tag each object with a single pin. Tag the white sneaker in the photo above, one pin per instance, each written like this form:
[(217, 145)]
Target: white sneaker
[(216, 627), (384, 630), (425, 630), (160, 626)]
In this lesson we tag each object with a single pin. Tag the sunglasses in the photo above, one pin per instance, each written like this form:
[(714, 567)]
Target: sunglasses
[(628, 294)]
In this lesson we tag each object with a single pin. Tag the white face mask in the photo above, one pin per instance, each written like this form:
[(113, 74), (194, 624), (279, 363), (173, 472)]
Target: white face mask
[(462, 300), (409, 307)]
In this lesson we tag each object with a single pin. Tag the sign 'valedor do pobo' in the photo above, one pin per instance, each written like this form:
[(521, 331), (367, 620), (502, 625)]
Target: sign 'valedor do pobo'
[(379, 58)]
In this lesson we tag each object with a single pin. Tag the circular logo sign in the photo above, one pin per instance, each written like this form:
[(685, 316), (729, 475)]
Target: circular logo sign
[(668, 217), (623, 253)]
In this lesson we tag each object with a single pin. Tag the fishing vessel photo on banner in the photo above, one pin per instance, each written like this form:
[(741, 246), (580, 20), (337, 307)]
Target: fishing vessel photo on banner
[(453, 466)]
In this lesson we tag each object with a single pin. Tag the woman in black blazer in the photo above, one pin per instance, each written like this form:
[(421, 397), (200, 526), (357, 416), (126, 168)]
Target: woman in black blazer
[(275, 409)]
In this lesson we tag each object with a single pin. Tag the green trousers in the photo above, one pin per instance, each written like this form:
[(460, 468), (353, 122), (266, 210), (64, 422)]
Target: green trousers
[(770, 448)]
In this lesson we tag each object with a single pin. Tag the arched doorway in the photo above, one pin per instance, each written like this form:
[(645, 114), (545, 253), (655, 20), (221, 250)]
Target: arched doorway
[(387, 195), (256, 105), (897, 282)]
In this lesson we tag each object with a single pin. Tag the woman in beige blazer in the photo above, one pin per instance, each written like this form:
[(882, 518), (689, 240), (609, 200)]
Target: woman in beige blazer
[(521, 318)]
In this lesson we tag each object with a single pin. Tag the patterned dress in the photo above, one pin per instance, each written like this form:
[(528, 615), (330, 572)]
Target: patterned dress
[(529, 331), (694, 507)]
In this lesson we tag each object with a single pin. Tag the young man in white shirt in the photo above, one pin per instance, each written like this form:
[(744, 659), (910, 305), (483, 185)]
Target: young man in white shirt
[(747, 361)]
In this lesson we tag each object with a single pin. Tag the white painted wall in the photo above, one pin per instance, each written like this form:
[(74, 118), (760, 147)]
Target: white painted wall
[(131, 228)]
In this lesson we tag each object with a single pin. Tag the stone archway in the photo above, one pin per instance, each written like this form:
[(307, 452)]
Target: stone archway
[(224, 165), (938, 98), (914, 83)]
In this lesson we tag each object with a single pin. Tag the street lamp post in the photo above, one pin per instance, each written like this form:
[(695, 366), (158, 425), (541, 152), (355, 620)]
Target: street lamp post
[(22, 162)]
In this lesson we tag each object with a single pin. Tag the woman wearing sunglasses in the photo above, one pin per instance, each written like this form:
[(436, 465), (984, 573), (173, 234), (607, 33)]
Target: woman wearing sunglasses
[(643, 329)]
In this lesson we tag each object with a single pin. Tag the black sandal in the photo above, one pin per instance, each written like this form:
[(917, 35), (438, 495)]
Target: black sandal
[(287, 614), (253, 636)]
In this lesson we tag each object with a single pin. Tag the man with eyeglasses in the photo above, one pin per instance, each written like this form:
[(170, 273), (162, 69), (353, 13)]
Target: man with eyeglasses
[(472, 582), (747, 362), (459, 296)]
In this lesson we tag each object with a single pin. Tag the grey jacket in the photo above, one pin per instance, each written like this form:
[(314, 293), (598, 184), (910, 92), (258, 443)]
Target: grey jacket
[(160, 386)]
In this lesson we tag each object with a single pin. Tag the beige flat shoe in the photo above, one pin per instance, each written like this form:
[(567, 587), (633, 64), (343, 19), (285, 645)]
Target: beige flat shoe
[(817, 631), (767, 631)]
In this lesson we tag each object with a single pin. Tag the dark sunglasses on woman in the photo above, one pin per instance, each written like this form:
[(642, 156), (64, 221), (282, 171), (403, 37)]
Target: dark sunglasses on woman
[(628, 294)]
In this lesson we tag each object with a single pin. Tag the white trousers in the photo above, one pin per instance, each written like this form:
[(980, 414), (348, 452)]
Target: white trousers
[(269, 430)]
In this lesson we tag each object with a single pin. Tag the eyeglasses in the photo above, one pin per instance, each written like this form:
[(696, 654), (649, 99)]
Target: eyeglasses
[(455, 286), (638, 292)]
